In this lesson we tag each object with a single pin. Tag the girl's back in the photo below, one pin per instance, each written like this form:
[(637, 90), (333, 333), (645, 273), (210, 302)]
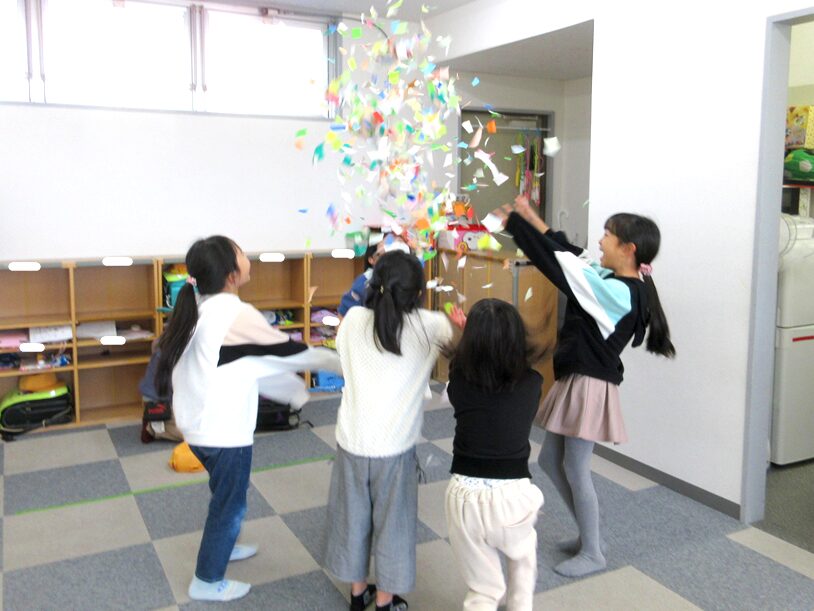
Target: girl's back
[(380, 414)]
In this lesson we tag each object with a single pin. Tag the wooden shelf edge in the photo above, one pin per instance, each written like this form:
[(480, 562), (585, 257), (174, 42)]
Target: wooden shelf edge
[(14, 373), (98, 363)]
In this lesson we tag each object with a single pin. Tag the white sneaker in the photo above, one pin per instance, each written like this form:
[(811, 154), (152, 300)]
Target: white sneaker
[(226, 589)]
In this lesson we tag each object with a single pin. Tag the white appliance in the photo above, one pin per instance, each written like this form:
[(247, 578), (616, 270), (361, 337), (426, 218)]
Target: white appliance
[(793, 413)]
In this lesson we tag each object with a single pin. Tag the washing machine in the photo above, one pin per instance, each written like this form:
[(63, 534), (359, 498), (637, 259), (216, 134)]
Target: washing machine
[(793, 401)]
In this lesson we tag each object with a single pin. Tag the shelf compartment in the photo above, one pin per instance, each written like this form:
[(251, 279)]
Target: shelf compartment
[(115, 293), (285, 279), (111, 413), (39, 298), (110, 392)]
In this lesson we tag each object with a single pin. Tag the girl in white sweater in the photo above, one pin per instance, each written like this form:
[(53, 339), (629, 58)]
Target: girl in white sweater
[(213, 352), (387, 349)]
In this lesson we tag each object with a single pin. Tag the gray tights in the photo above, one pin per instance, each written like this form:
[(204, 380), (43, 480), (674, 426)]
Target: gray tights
[(567, 462)]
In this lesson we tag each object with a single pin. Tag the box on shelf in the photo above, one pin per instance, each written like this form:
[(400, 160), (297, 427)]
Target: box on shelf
[(59, 333), (800, 127), (95, 330), (13, 339)]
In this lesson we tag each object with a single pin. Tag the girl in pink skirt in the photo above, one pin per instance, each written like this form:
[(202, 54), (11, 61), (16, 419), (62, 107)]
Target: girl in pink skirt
[(608, 304)]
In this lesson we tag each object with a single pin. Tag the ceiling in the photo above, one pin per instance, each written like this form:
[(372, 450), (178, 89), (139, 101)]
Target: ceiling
[(563, 55)]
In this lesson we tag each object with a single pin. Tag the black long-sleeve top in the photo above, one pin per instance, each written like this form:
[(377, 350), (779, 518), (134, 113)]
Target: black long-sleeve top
[(603, 311), (492, 429)]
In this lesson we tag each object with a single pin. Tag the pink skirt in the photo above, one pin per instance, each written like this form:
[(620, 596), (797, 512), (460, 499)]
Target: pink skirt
[(584, 407)]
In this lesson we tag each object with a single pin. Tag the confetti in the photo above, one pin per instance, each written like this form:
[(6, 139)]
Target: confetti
[(551, 146), (491, 127), (475, 81), (528, 294), (448, 308), (487, 286), (467, 125), (461, 262), (518, 148)]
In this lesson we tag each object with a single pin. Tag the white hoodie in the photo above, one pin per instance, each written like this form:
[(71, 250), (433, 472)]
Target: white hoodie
[(215, 382)]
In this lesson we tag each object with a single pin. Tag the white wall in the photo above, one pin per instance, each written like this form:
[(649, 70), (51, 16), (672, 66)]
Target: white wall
[(82, 183), (675, 132)]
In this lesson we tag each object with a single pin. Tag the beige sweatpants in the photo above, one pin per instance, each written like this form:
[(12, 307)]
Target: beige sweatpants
[(482, 522)]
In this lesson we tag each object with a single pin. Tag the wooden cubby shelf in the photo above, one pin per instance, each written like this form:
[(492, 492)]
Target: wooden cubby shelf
[(104, 379)]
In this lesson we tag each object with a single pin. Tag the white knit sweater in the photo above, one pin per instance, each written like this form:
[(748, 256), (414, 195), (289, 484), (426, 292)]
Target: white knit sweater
[(215, 382), (380, 414)]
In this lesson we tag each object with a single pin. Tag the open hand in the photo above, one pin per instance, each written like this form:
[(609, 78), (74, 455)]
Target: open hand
[(523, 208), (457, 317)]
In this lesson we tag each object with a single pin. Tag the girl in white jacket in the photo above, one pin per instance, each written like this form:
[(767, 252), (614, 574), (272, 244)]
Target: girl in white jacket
[(213, 353)]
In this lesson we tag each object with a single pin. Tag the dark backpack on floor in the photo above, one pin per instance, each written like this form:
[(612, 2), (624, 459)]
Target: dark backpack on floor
[(274, 416)]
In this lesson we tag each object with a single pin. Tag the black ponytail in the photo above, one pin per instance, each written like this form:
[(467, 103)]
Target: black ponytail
[(645, 235), (395, 289), (658, 331), (209, 262)]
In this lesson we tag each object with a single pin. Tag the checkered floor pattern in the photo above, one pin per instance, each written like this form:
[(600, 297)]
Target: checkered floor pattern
[(94, 519)]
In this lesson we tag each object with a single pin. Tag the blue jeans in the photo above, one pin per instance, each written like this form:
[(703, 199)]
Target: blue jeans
[(229, 470)]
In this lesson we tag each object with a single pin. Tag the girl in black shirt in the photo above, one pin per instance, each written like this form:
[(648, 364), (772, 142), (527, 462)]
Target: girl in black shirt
[(491, 504)]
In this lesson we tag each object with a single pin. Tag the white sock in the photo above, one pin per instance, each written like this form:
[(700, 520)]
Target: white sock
[(223, 590), (241, 552)]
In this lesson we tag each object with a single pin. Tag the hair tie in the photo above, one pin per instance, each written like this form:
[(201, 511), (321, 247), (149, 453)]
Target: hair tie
[(192, 281), (645, 269)]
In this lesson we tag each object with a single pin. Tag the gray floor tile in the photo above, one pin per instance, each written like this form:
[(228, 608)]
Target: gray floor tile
[(721, 574), (790, 504), (128, 578), (285, 447), (433, 461), (55, 487), (175, 511), (438, 424), (127, 441), (309, 527), (320, 413), (300, 593)]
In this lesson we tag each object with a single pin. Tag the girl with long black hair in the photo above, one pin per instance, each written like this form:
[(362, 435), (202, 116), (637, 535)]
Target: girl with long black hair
[(387, 350), (609, 304)]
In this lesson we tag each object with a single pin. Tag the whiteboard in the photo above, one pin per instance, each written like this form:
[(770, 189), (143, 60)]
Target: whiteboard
[(80, 183)]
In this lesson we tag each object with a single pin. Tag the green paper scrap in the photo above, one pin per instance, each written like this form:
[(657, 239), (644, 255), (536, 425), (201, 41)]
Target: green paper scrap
[(319, 152), (301, 133), (429, 254), (394, 77), (356, 33), (448, 308), (352, 63)]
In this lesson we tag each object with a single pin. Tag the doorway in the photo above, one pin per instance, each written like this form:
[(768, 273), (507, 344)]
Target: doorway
[(773, 498)]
